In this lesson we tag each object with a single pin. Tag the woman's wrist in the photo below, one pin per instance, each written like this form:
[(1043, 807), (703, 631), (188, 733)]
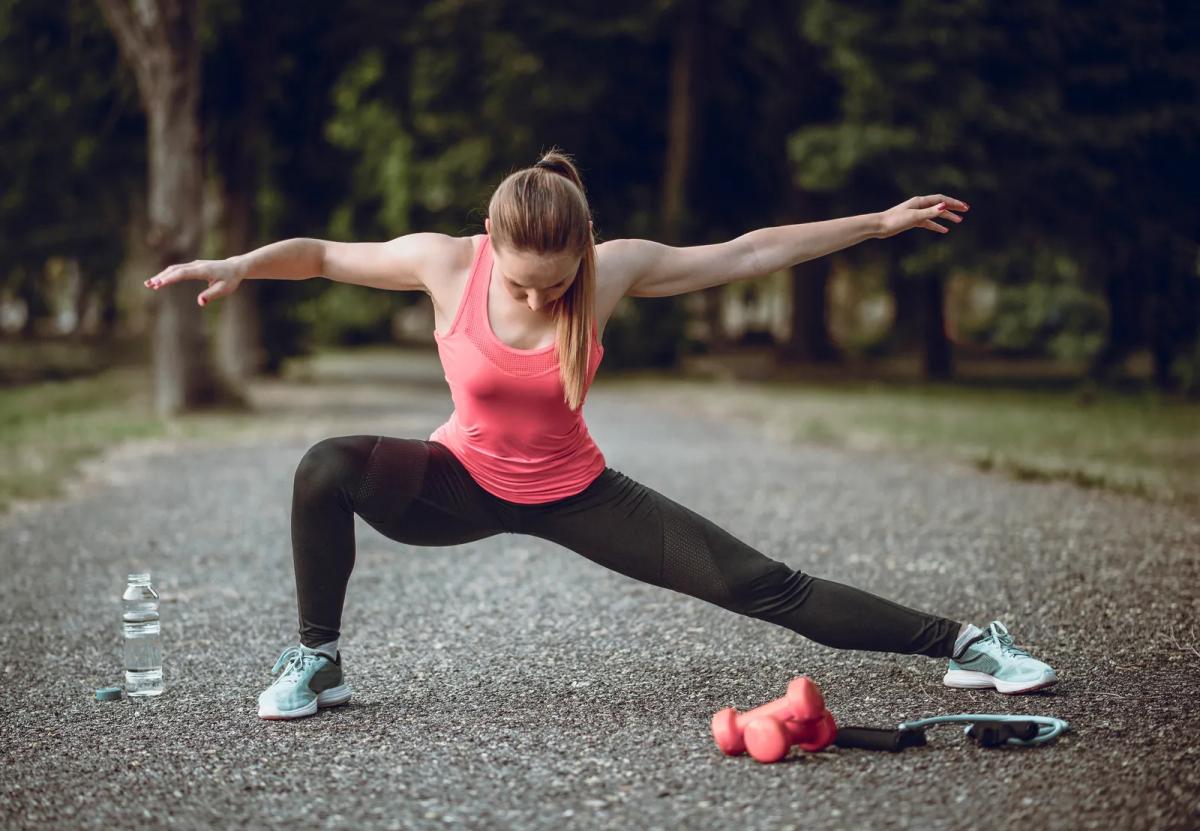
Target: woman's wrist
[(238, 263), (876, 224)]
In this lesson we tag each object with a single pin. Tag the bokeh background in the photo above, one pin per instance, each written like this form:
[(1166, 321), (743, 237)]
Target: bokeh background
[(1054, 333)]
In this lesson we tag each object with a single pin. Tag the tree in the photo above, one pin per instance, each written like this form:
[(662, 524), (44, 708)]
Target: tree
[(158, 41), (1062, 124), (237, 69), (67, 125)]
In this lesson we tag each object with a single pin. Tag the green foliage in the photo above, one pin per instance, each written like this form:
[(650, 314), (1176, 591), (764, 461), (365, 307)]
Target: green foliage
[(1065, 320), (1045, 304), (644, 334), (347, 314), (825, 157), (70, 126), (368, 127), (1062, 126)]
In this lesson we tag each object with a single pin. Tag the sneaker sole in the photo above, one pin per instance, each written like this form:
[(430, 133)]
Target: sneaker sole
[(963, 679), (332, 697)]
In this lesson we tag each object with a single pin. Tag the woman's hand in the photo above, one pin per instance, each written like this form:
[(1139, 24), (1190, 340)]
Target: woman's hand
[(919, 212), (223, 277)]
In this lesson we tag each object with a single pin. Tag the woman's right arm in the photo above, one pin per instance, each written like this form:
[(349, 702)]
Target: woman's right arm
[(404, 263)]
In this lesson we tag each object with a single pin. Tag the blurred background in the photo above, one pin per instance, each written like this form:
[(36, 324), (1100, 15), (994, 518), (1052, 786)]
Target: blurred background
[(1055, 332)]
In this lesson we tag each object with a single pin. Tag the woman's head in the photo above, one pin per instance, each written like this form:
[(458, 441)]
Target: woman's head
[(537, 280), (544, 251)]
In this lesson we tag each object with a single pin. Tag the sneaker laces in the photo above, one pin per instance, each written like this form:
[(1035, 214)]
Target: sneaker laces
[(292, 661), (998, 632)]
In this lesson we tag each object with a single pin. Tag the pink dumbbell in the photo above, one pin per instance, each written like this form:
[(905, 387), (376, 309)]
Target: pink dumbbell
[(803, 702), (769, 740)]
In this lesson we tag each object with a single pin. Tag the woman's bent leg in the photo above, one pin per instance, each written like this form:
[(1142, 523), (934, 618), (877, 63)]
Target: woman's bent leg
[(637, 531), (412, 491)]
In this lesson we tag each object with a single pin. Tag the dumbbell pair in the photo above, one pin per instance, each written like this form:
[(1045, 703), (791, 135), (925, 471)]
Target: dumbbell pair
[(768, 732)]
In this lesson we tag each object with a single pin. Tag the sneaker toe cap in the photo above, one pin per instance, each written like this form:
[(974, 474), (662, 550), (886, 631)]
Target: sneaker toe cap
[(284, 700), (1032, 671)]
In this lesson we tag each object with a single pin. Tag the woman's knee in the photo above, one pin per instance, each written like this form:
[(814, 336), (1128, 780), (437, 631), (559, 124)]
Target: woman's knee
[(704, 560), (768, 588), (339, 461)]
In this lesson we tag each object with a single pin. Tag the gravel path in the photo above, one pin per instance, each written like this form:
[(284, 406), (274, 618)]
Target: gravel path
[(509, 683)]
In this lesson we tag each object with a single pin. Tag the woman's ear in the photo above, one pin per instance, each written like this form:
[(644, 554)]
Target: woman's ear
[(487, 225)]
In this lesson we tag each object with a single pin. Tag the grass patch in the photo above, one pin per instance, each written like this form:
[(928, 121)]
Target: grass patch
[(48, 428), (1142, 444)]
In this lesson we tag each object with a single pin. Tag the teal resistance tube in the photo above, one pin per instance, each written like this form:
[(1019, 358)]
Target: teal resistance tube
[(993, 729)]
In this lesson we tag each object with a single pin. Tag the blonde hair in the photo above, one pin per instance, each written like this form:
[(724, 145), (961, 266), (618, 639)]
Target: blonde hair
[(543, 209)]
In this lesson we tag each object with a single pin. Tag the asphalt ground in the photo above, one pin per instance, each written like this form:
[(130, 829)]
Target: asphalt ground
[(510, 683)]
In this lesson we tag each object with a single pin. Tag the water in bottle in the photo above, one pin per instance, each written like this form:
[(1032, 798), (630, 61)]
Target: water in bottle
[(143, 638)]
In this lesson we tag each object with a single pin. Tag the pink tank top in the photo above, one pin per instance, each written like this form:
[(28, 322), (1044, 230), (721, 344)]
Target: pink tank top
[(510, 427)]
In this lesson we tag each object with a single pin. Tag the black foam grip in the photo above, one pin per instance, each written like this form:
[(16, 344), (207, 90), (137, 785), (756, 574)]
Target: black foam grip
[(879, 738)]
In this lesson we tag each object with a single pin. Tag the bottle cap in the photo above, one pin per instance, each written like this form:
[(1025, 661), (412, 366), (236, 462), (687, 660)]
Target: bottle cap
[(108, 694)]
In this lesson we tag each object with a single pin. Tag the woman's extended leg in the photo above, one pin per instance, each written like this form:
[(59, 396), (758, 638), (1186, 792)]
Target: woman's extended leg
[(412, 491), (630, 528)]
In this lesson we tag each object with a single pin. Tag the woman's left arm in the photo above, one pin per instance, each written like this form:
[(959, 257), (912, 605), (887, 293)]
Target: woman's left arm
[(656, 270)]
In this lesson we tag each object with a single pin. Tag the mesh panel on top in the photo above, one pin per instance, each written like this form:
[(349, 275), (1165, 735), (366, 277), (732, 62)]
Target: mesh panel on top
[(475, 326)]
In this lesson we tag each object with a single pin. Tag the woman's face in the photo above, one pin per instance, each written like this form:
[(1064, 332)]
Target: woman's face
[(536, 280)]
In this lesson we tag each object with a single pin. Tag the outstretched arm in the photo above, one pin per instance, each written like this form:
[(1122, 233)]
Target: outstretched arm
[(652, 269), (406, 262)]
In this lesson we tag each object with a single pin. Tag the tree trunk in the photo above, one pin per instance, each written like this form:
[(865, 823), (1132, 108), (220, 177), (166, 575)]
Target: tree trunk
[(240, 352), (907, 296), (1124, 300), (158, 39), (681, 142), (938, 357), (30, 291), (1169, 270), (810, 341), (133, 302), (680, 122)]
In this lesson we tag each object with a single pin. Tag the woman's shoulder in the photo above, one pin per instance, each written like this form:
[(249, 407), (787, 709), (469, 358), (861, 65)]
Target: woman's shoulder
[(448, 256), (618, 261), (455, 252)]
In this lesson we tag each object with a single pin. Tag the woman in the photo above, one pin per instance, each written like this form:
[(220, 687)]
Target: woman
[(519, 314)]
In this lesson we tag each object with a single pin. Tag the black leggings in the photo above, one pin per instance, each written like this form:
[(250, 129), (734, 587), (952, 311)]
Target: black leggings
[(417, 492)]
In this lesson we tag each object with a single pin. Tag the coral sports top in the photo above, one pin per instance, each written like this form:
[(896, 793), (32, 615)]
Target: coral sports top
[(510, 427)]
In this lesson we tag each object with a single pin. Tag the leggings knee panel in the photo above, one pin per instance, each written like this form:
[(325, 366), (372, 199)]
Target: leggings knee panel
[(356, 466), (688, 562), (333, 463)]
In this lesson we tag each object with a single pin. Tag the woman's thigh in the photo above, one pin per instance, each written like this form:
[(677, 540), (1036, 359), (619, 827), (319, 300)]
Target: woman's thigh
[(637, 531), (640, 533), (417, 492)]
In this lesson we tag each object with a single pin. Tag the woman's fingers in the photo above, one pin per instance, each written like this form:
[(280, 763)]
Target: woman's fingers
[(920, 211), (939, 211), (173, 274), (222, 278), (951, 203), (214, 291)]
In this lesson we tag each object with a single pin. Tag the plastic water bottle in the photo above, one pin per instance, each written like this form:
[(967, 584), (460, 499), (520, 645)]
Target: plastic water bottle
[(143, 638)]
